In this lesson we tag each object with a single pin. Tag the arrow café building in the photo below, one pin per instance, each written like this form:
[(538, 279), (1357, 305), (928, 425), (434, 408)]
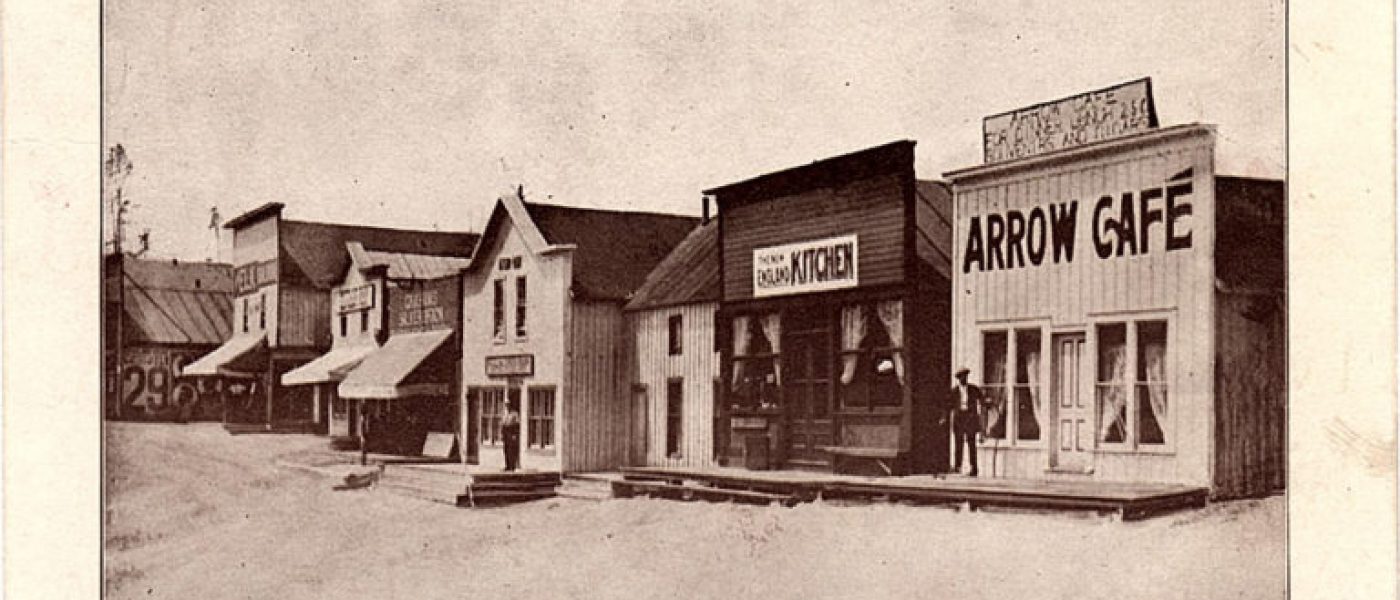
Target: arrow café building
[(1121, 304), (833, 326)]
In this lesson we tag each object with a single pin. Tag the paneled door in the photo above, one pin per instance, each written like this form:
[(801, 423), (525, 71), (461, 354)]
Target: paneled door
[(1072, 392), (806, 383)]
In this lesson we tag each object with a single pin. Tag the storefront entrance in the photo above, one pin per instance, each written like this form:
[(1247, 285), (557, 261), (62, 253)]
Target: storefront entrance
[(806, 383), (1073, 397)]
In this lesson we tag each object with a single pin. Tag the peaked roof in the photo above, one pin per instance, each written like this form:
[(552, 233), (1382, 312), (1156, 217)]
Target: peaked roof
[(690, 273), (615, 250), (316, 252), (168, 302)]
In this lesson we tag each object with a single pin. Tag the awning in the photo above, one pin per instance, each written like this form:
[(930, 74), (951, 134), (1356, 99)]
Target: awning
[(389, 372), (244, 353), (331, 366)]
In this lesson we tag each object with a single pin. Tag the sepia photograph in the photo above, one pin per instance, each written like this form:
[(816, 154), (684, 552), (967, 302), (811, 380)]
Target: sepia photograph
[(602, 300)]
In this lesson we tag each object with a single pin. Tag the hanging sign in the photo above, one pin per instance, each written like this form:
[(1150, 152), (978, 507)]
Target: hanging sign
[(818, 265), (1095, 116), (355, 298)]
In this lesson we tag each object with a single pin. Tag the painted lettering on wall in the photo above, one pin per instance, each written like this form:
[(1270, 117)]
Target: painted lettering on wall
[(1081, 119), (149, 388), (816, 265), (421, 305), (250, 277), (1130, 223)]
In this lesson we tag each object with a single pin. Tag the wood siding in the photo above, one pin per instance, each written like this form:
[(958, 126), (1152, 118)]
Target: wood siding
[(1074, 296), (1250, 455), (595, 400), (303, 317), (696, 366), (871, 208)]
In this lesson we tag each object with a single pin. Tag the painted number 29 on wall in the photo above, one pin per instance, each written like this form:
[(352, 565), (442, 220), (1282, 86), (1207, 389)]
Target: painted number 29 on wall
[(149, 385)]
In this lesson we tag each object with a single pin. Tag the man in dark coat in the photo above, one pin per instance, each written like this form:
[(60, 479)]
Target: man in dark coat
[(510, 436), (966, 402)]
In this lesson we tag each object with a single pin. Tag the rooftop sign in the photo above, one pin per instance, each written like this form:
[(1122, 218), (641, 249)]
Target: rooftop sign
[(1112, 112)]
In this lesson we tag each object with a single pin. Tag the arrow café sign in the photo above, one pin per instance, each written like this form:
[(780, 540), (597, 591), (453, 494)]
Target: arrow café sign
[(1129, 223)]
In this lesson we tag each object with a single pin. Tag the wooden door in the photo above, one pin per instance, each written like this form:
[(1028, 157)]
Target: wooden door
[(1072, 392), (806, 383)]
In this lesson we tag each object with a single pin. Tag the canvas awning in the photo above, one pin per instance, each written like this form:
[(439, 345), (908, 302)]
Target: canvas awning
[(331, 366), (244, 353), (389, 372)]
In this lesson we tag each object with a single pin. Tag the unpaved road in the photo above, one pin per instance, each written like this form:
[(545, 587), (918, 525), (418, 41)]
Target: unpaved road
[(194, 513)]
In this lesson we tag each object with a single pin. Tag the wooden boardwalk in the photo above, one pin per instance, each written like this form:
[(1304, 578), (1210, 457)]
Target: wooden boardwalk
[(1126, 501)]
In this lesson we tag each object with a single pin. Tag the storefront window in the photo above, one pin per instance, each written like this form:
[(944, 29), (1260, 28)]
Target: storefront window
[(1111, 383), (1030, 406), (493, 407), (1151, 398), (994, 384), (755, 372), (872, 360), (541, 426)]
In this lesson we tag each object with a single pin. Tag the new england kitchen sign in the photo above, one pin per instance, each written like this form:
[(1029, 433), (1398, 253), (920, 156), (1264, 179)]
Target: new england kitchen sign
[(811, 266)]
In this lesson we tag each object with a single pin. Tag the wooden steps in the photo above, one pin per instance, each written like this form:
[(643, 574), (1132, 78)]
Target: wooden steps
[(501, 489)]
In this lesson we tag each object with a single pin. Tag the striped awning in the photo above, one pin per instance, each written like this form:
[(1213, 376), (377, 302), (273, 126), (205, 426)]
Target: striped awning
[(244, 353), (388, 371), (331, 366)]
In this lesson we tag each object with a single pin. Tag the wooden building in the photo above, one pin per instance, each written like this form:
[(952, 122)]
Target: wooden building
[(1123, 307), (834, 316), (162, 314), (676, 371), (543, 330), (283, 273)]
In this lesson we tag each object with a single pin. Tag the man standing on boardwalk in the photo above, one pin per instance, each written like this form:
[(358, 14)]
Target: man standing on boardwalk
[(966, 400), (510, 436)]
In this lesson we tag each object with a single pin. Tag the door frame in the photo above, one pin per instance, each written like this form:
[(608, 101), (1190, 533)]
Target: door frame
[(1082, 459)]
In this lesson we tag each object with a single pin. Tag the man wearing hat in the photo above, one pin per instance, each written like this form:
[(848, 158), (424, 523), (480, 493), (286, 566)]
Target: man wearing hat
[(966, 402)]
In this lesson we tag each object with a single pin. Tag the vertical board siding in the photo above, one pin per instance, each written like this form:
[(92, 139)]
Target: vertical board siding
[(303, 317), (871, 208), (1250, 455), (596, 400), (697, 366), (1073, 295)]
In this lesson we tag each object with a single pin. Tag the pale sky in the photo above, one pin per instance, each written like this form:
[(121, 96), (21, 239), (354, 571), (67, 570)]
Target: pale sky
[(419, 114)]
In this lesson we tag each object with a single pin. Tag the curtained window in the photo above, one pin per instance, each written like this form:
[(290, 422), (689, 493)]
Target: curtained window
[(540, 427), (493, 407), (872, 361), (1111, 383), (755, 376), (1030, 408), (1151, 382), (994, 348)]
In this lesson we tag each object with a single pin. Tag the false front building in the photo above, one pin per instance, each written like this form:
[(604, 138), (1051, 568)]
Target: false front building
[(1122, 306), (284, 271), (543, 331), (834, 316)]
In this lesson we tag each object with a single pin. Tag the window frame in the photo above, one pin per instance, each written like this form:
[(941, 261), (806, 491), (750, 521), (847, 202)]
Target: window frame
[(1006, 331), (865, 358), (675, 419), (488, 423), (537, 422), (498, 310), (675, 335), (521, 307), (1131, 322)]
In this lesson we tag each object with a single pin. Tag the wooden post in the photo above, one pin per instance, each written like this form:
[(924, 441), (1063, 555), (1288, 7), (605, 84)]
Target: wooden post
[(270, 376), (364, 440)]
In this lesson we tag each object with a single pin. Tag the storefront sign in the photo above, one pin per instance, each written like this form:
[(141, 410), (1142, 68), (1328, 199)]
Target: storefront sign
[(1121, 224), (748, 423), (1075, 121), (510, 366), (423, 305), (354, 299), (250, 277), (818, 265), (148, 385)]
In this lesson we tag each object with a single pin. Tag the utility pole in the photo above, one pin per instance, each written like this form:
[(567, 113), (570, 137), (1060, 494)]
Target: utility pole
[(116, 168)]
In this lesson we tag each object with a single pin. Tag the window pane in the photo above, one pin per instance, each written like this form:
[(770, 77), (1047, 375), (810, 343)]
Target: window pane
[(498, 310), (993, 383), (673, 334), (1152, 401), (520, 307), (674, 391), (1111, 389), (1030, 403), (541, 426)]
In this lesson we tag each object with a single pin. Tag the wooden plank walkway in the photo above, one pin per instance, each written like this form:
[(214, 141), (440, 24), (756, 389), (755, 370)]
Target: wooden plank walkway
[(1128, 501)]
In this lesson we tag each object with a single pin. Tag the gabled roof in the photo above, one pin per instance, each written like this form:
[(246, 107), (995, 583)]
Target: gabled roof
[(615, 250), (690, 273), (167, 302), (316, 254), (403, 265)]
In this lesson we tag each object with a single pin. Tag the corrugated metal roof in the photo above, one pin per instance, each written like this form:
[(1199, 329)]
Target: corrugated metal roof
[(168, 302), (615, 250), (316, 251), (690, 273), (417, 266)]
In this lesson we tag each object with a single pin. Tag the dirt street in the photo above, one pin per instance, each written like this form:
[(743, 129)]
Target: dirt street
[(193, 512)]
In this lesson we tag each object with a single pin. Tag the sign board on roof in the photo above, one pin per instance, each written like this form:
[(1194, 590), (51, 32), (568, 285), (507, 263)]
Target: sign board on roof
[(424, 305), (810, 266), (1112, 112)]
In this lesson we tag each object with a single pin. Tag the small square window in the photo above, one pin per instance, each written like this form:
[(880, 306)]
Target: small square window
[(515, 262), (674, 335)]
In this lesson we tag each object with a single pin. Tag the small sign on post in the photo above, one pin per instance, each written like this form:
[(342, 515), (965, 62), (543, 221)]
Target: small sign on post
[(1081, 119)]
